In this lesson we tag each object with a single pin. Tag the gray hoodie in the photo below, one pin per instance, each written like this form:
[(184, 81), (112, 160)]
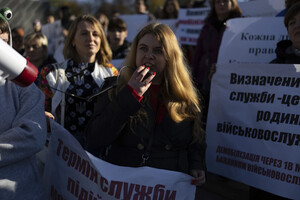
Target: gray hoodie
[(22, 135)]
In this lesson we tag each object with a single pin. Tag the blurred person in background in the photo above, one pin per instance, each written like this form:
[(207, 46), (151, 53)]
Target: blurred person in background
[(36, 50), (116, 36), (209, 42), (65, 18), (288, 4), (65, 22), (170, 9), (17, 38), (193, 3), (103, 19), (50, 19), (37, 26), (288, 51), (141, 7)]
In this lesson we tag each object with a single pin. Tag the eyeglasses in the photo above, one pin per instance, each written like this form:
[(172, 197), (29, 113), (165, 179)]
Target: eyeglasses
[(221, 1)]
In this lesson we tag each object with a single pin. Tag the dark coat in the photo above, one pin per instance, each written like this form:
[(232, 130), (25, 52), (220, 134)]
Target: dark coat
[(206, 53), (171, 148), (284, 53), (122, 51)]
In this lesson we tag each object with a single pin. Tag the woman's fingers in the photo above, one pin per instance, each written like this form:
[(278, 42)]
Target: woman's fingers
[(199, 177), (139, 72), (140, 81)]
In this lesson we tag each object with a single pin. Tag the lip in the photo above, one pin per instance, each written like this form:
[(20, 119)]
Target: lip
[(150, 65), (90, 46), (297, 31), (296, 34)]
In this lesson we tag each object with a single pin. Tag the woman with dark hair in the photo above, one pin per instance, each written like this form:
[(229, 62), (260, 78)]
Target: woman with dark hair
[(68, 85), (116, 36), (209, 42), (170, 9), (142, 7)]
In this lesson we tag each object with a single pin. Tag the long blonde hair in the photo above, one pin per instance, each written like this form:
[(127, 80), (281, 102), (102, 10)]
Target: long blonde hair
[(177, 89)]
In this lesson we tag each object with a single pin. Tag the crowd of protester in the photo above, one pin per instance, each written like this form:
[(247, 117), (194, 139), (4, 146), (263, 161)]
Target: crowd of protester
[(160, 114)]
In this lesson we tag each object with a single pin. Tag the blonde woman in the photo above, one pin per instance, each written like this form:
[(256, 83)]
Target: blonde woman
[(69, 84), (152, 120), (36, 50)]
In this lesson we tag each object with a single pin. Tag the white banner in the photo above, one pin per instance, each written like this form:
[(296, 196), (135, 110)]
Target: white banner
[(134, 24), (251, 40), (190, 24), (54, 35), (172, 23), (253, 133), (261, 8), (72, 173)]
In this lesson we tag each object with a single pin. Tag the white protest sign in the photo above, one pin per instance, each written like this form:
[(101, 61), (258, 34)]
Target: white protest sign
[(134, 24), (253, 126), (251, 40), (72, 173), (190, 23), (261, 8), (172, 23)]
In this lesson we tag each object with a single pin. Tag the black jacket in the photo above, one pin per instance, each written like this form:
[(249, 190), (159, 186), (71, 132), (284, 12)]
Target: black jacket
[(122, 51), (171, 148)]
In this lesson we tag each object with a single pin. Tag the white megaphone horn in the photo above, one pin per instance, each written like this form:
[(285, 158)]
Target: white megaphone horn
[(15, 67)]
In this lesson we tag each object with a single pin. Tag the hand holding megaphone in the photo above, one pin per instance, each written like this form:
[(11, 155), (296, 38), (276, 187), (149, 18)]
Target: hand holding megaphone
[(15, 67)]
